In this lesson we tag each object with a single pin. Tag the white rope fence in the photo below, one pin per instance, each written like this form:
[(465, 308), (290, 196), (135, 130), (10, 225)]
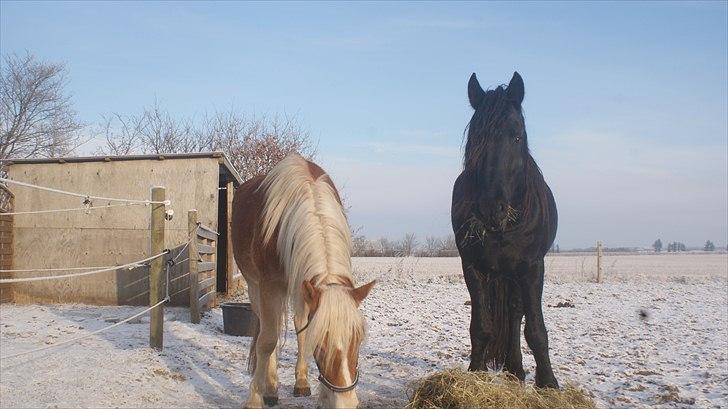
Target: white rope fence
[(73, 209), (85, 273), (170, 263), (68, 341), (28, 270), (85, 196), (88, 205)]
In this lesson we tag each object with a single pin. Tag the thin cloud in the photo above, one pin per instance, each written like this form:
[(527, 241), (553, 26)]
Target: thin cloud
[(436, 23)]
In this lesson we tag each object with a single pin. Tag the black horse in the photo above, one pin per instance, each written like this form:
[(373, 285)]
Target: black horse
[(504, 219)]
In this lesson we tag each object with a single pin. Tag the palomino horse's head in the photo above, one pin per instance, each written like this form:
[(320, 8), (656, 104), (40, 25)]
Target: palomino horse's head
[(334, 335), (496, 150)]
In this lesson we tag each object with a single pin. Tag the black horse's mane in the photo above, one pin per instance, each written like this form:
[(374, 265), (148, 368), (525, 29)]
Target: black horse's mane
[(488, 122)]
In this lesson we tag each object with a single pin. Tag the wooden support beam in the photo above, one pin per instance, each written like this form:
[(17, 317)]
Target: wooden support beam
[(193, 267), (157, 277)]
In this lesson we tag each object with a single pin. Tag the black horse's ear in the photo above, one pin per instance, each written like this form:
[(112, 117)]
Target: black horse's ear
[(475, 92), (516, 90)]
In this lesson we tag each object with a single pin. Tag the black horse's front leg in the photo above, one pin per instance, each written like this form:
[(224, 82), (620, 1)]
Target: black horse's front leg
[(514, 358), (535, 331), (479, 333)]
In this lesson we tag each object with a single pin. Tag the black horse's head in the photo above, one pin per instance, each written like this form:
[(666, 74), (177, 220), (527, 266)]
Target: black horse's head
[(496, 150)]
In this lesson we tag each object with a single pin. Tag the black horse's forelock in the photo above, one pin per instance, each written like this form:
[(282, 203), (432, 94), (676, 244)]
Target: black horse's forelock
[(486, 123)]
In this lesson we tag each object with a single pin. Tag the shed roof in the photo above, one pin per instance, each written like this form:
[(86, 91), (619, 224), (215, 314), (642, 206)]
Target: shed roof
[(224, 161)]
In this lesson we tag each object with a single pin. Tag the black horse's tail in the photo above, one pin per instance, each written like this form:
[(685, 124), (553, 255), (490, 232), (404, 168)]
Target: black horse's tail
[(504, 307)]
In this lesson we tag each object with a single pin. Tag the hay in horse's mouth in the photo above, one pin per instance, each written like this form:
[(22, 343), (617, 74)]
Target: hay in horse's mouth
[(456, 388)]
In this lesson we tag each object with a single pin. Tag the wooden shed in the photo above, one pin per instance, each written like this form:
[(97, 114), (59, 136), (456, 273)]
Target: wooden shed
[(114, 235)]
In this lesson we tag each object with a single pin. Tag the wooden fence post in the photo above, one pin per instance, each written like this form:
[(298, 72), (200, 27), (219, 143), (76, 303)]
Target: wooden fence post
[(157, 281), (193, 259), (599, 261), (230, 262)]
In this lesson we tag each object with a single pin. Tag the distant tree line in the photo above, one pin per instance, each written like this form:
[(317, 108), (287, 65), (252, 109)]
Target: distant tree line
[(677, 246), (408, 245)]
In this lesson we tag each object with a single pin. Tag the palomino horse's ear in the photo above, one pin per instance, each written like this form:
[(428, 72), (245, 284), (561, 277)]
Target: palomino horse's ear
[(359, 294), (311, 295), (475, 92), (516, 89)]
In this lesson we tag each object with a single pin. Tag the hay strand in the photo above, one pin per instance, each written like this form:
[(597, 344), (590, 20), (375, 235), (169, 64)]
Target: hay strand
[(459, 389)]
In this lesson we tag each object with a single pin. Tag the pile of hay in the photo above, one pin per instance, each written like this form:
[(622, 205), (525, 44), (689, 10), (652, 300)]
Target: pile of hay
[(455, 389)]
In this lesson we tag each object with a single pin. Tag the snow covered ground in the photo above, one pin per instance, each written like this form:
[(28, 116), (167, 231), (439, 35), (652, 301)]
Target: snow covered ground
[(676, 356)]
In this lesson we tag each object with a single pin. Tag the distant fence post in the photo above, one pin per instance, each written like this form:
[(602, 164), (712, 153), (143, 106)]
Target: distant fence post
[(599, 261), (156, 270), (193, 260)]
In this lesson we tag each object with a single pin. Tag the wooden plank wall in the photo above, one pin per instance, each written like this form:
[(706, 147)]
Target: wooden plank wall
[(106, 236), (6, 239)]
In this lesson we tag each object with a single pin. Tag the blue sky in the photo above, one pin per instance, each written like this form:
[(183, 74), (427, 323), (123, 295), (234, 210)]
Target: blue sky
[(626, 103)]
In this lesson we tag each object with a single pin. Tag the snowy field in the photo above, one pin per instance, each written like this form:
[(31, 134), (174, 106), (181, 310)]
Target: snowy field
[(418, 323)]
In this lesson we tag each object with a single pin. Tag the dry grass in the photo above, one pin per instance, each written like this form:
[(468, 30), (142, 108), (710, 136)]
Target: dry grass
[(456, 388)]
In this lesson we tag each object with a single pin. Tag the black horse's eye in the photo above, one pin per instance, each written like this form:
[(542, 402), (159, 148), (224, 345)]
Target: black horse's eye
[(518, 139)]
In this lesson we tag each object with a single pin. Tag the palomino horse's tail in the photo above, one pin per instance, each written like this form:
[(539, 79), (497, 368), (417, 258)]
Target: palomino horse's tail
[(504, 306)]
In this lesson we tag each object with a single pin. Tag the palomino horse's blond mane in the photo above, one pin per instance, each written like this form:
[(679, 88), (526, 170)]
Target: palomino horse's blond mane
[(314, 243)]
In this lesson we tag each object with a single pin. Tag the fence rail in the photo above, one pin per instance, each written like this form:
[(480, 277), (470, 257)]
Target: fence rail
[(202, 266)]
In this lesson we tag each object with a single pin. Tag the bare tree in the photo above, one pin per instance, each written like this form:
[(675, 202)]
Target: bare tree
[(36, 116), (408, 244), (432, 246), (360, 246), (449, 246), (122, 134), (253, 145), (162, 133), (386, 248), (273, 140)]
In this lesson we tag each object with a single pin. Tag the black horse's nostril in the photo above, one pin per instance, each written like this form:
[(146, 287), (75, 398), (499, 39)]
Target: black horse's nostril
[(501, 207)]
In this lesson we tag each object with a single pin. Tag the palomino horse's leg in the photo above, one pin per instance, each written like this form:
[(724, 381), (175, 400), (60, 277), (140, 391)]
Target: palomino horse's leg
[(264, 386), (535, 330), (302, 387)]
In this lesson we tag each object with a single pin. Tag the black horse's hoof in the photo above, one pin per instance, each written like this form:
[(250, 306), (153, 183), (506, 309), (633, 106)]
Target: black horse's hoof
[(550, 384), (270, 400), (298, 392)]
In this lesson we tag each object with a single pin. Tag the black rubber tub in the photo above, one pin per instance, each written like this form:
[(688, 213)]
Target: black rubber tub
[(239, 319)]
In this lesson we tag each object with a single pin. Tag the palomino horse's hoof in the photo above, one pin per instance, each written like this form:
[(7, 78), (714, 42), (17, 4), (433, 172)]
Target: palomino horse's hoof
[(270, 400), (298, 392)]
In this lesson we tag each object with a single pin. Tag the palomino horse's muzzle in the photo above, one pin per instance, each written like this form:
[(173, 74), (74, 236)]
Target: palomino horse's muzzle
[(338, 389), (330, 386)]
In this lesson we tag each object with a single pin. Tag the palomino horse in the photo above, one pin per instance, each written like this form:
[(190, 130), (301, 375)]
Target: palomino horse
[(292, 242)]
